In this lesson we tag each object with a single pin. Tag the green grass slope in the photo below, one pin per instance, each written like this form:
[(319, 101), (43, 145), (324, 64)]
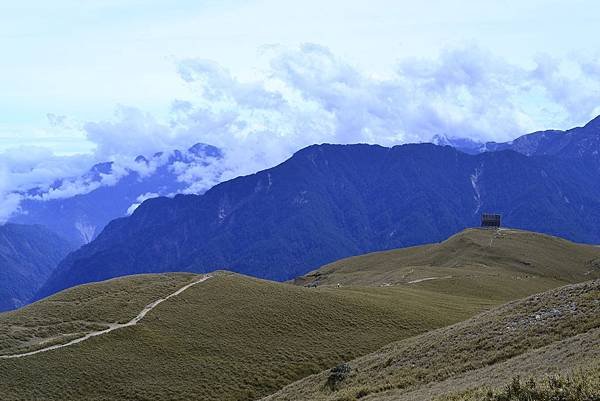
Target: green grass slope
[(72, 313), (582, 385), (554, 332), (237, 338), (496, 264), (228, 338)]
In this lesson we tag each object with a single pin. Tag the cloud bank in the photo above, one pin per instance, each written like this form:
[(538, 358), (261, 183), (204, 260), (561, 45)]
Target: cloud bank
[(309, 95)]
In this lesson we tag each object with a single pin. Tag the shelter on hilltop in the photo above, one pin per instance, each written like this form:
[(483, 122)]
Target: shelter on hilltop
[(490, 220)]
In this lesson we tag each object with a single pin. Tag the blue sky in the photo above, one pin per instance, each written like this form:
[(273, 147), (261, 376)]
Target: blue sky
[(82, 59), (110, 79)]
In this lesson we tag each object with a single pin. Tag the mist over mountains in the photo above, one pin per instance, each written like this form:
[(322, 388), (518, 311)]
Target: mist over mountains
[(300, 201), (576, 142), (324, 203), (79, 209), (331, 201)]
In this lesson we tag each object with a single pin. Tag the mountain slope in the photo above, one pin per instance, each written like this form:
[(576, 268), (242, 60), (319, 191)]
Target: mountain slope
[(478, 262), (113, 191), (228, 338), (334, 201), (233, 337), (28, 254), (556, 331), (575, 143)]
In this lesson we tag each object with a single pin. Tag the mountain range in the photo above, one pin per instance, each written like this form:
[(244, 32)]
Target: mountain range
[(573, 143), (332, 201), (81, 217), (28, 254)]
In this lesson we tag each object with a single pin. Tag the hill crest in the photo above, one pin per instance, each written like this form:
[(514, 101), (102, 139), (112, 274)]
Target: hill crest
[(508, 253)]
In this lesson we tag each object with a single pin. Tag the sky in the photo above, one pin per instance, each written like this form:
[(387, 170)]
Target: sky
[(83, 81)]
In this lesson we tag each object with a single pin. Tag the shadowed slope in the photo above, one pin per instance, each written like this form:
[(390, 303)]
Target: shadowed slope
[(333, 201), (28, 255)]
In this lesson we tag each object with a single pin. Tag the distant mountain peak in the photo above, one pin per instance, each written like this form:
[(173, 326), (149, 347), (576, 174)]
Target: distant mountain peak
[(80, 215), (102, 168), (205, 150), (594, 123), (572, 143), (331, 201), (465, 145)]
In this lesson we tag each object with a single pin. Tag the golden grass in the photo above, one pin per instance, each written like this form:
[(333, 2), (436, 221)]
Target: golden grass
[(501, 265), (231, 338), (581, 385), (547, 333), (237, 338), (90, 307)]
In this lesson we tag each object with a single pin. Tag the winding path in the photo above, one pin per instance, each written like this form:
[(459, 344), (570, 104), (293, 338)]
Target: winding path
[(420, 280), (112, 326)]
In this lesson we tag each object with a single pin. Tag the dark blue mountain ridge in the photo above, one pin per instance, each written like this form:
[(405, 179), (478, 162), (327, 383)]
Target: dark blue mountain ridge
[(576, 142), (28, 255), (465, 145), (80, 218), (332, 201)]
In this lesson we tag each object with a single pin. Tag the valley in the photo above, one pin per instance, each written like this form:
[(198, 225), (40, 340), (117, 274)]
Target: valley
[(28, 256), (326, 202)]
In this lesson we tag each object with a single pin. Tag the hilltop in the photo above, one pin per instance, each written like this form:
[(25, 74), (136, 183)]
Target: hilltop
[(474, 261)]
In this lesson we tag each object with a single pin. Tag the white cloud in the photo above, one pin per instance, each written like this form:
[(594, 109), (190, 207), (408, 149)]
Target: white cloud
[(140, 199), (201, 175), (132, 132), (310, 95), (29, 167)]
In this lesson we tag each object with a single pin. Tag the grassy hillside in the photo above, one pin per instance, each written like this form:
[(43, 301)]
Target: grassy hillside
[(553, 332), (229, 338), (582, 385), (496, 264), (237, 338), (71, 313)]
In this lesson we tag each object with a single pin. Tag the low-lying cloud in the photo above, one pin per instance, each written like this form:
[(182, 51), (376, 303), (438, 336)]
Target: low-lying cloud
[(309, 95)]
